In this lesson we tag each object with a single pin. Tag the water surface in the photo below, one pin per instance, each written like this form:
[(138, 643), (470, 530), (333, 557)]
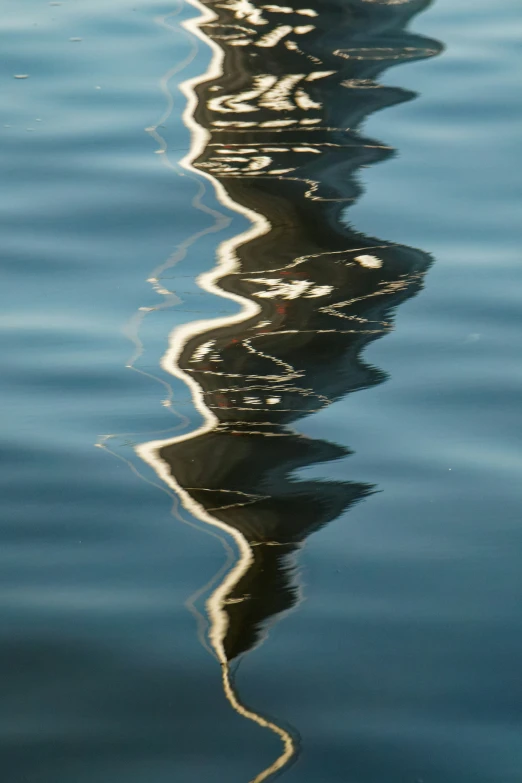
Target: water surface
[(293, 340)]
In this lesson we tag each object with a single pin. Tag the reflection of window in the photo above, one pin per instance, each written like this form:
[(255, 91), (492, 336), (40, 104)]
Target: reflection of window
[(202, 351), (289, 289), (268, 92)]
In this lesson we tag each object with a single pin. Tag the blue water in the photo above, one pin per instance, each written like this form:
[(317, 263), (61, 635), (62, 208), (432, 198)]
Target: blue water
[(390, 651)]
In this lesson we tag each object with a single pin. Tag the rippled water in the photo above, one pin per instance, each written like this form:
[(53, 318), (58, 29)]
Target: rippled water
[(261, 399)]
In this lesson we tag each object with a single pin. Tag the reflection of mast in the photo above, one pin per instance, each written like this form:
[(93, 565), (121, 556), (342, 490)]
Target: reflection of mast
[(275, 128)]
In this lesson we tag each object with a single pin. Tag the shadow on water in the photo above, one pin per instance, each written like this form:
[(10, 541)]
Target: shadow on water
[(275, 126)]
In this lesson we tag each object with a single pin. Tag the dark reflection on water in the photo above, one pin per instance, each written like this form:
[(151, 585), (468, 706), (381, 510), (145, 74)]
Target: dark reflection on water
[(277, 128)]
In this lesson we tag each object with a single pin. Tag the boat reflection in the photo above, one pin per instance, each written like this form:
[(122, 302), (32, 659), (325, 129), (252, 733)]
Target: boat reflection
[(275, 124)]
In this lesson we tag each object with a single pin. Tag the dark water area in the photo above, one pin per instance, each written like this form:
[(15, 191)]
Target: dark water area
[(261, 392)]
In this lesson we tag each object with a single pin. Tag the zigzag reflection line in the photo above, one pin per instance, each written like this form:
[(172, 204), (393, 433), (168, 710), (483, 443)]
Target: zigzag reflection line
[(303, 259), (273, 378), (293, 128), (314, 185), (308, 144), (150, 452), (258, 387), (286, 738), (190, 603), (164, 86), (387, 288), (132, 328), (326, 331), (292, 372), (267, 410), (264, 434)]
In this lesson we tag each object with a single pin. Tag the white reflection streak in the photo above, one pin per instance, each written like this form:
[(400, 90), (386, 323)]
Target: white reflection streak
[(227, 262), (132, 328)]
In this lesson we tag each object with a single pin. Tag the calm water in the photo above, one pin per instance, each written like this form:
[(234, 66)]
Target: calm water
[(261, 366)]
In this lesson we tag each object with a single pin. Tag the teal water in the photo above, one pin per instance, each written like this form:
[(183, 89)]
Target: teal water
[(215, 567)]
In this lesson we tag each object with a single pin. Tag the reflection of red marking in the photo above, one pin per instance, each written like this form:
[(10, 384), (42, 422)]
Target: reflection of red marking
[(222, 401), (281, 309)]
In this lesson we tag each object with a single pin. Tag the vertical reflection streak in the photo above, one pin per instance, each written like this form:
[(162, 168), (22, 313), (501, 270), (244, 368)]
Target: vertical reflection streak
[(274, 124)]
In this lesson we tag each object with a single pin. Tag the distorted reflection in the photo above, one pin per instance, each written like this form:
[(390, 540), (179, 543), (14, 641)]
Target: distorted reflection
[(275, 125)]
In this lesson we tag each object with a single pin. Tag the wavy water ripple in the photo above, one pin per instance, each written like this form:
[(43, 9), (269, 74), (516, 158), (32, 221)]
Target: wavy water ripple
[(385, 646)]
